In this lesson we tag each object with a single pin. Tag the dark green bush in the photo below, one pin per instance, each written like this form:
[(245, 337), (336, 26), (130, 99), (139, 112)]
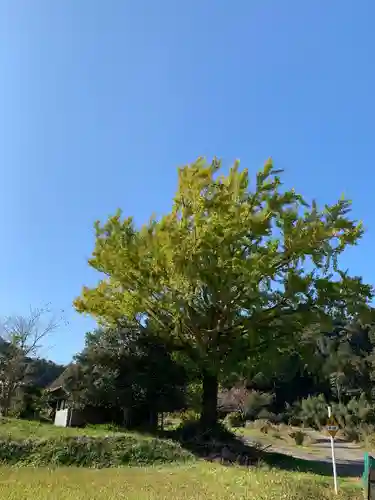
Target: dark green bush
[(312, 411), (357, 412), (257, 403), (298, 437), (189, 416), (192, 431), (292, 415), (85, 451), (274, 418), (235, 419)]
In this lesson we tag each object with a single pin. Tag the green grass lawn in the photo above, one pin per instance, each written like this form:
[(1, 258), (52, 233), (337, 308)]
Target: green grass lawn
[(194, 479), (190, 482), (23, 429)]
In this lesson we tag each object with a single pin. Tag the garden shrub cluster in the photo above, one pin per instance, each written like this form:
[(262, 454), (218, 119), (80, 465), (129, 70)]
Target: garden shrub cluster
[(358, 411), (356, 416)]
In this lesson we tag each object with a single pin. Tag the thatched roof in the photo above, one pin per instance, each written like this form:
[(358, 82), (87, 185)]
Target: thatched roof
[(59, 382)]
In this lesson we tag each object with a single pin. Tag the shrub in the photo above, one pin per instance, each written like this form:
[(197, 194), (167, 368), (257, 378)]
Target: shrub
[(235, 419), (352, 434), (357, 412), (265, 428), (256, 403), (273, 418), (192, 431), (298, 437), (313, 411), (189, 416), (292, 414), (262, 425), (352, 417), (367, 435)]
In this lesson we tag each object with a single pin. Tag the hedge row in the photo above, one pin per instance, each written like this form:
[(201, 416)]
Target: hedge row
[(85, 451)]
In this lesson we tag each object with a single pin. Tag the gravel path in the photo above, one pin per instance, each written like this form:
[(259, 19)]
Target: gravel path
[(349, 457)]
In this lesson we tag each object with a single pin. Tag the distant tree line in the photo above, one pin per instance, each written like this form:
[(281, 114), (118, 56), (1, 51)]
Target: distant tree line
[(131, 375)]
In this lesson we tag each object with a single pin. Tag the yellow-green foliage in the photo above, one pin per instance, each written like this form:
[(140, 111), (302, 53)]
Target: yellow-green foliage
[(205, 272)]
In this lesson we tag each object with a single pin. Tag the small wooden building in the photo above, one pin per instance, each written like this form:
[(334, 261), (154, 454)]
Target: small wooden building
[(63, 411), (65, 414)]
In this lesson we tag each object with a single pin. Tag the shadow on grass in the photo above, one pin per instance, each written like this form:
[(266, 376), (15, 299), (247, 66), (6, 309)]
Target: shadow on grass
[(326, 440), (219, 445), (224, 447), (349, 468)]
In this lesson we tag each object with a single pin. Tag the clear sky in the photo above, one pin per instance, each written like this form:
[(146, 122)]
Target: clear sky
[(100, 101)]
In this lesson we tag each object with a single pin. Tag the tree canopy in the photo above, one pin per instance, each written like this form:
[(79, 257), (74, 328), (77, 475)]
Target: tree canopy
[(235, 274), (129, 372)]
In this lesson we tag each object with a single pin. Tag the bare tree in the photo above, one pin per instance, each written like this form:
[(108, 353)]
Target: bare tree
[(234, 399), (21, 338)]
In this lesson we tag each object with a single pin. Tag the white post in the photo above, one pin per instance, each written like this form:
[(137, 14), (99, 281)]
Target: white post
[(333, 456)]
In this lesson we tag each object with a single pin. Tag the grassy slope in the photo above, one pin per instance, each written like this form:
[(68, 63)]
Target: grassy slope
[(199, 481), (33, 443)]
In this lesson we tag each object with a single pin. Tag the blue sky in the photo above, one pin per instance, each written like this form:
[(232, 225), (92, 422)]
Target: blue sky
[(100, 101)]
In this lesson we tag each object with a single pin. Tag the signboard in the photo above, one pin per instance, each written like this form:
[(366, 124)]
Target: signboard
[(332, 426)]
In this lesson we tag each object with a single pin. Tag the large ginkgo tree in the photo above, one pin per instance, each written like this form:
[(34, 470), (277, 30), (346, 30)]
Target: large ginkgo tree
[(233, 276)]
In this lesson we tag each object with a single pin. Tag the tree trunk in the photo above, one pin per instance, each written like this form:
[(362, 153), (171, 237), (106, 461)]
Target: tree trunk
[(209, 401), (6, 402), (153, 419), (126, 418)]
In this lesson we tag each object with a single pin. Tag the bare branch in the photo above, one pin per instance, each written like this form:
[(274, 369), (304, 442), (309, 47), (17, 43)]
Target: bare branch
[(21, 339), (27, 332)]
